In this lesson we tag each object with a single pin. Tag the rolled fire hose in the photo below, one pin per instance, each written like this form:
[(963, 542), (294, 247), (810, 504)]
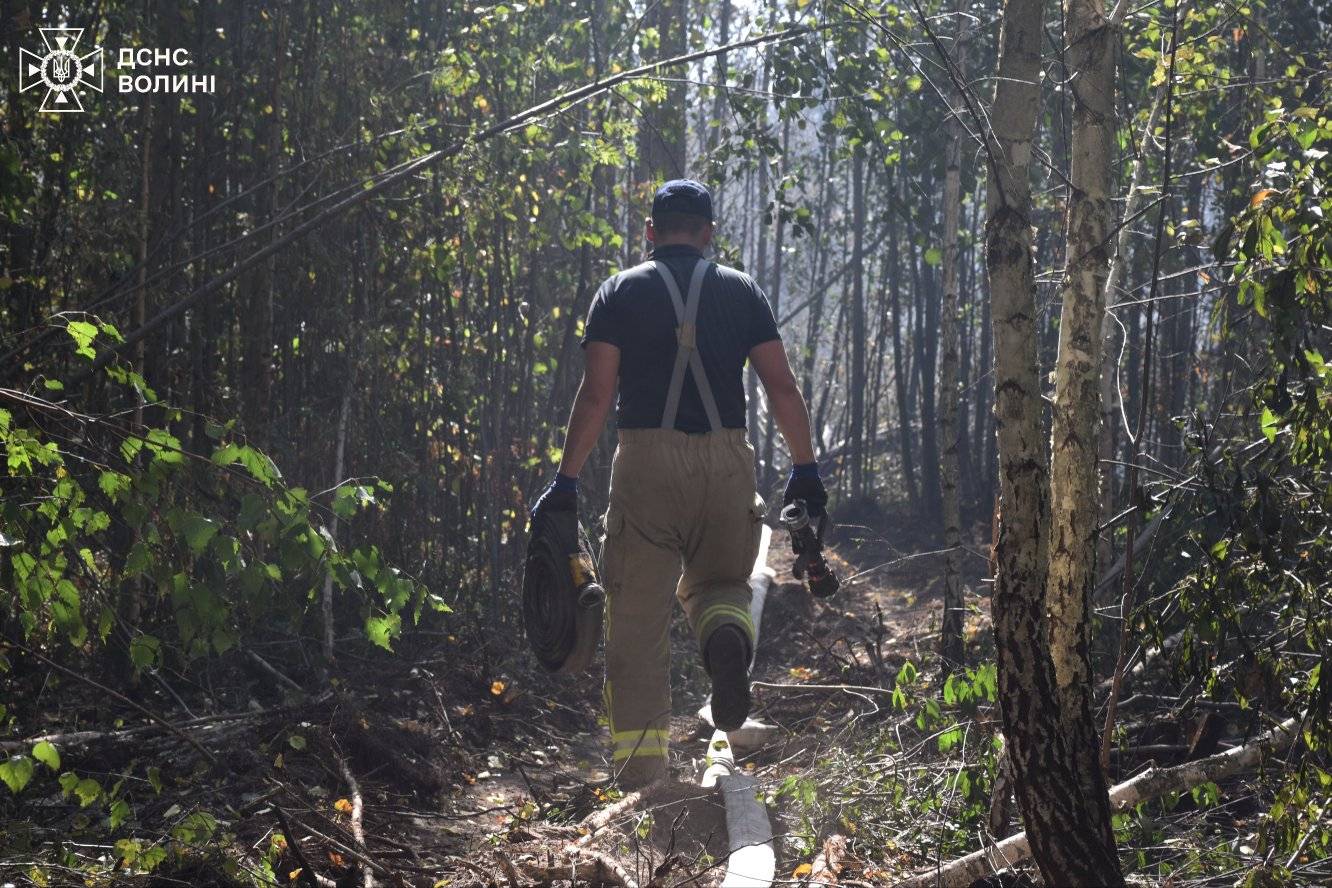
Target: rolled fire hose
[(562, 601)]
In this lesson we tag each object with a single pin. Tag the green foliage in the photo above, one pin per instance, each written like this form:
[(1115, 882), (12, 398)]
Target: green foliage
[(1259, 627), (921, 782), (207, 552)]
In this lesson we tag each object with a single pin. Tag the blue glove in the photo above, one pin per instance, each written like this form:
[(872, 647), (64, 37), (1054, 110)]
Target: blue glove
[(560, 496), (805, 484)]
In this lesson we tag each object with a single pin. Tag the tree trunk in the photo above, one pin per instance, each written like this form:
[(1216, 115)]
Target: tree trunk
[(904, 412), (257, 320), (1068, 840), (927, 353), (856, 452), (951, 648), (1074, 487), (775, 297), (661, 139), (1110, 390)]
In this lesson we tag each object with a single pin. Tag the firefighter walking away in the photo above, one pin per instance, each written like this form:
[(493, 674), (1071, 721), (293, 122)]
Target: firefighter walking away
[(672, 335)]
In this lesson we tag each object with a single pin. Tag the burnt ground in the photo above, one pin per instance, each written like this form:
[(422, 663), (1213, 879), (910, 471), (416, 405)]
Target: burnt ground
[(472, 767), (885, 614)]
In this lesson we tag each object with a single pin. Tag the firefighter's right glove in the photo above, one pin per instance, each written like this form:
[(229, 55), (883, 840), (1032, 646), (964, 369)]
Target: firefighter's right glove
[(805, 484), (560, 496)]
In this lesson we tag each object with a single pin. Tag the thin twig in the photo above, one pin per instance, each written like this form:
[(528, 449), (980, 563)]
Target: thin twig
[(357, 809)]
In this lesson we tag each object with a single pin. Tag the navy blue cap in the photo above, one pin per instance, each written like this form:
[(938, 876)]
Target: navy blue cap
[(683, 196)]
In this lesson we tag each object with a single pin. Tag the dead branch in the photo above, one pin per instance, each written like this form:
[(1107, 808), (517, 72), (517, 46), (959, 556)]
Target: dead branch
[(828, 864), (1149, 784), (208, 756), (357, 809), (83, 738), (849, 689), (595, 869), (272, 670), (308, 875), (486, 878), (599, 820)]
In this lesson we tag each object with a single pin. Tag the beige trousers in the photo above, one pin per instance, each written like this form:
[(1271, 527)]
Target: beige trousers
[(684, 518)]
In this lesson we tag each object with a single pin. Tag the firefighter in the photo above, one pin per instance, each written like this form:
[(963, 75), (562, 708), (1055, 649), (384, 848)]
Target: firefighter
[(673, 334)]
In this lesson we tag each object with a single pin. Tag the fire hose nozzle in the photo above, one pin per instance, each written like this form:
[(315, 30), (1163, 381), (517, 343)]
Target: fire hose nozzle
[(590, 592), (795, 516), (810, 564)]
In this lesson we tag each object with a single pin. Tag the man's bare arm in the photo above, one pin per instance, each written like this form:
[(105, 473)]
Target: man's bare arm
[(784, 398), (595, 396)]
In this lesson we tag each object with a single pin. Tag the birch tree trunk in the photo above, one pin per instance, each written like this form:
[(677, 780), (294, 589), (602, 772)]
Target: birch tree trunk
[(1074, 476), (1067, 838), (951, 649), (769, 478)]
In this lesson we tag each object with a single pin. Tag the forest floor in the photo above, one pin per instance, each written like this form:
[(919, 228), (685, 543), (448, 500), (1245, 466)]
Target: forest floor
[(457, 762), (454, 762)]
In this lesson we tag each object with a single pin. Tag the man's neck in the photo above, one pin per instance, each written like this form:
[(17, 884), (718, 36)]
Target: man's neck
[(663, 244)]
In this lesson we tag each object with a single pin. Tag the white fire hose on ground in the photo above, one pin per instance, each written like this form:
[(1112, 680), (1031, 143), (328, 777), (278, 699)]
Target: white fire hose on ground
[(752, 861)]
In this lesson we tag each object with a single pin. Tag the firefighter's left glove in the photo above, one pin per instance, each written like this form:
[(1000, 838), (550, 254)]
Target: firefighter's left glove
[(560, 496), (805, 484)]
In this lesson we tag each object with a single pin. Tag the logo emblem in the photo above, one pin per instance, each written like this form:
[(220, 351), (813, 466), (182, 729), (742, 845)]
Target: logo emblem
[(61, 70)]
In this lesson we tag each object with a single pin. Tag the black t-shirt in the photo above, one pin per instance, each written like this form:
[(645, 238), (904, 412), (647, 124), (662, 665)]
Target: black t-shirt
[(633, 310)]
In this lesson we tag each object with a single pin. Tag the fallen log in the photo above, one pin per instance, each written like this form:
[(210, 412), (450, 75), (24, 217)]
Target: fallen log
[(1149, 784)]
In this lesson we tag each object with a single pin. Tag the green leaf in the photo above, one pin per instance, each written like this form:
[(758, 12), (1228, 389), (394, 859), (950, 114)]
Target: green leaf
[(144, 650), (1270, 424), (88, 790), (47, 754), (113, 484), (949, 739), (296, 742), (83, 334), (198, 530), (381, 630), (155, 779), (16, 772), (151, 858), (120, 812)]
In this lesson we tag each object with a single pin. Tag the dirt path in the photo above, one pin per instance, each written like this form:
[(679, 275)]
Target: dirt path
[(881, 618)]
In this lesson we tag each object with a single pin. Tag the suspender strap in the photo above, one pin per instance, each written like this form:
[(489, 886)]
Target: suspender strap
[(686, 355)]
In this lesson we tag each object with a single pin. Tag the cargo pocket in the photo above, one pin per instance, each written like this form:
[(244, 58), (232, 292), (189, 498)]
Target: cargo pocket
[(758, 510), (612, 546)]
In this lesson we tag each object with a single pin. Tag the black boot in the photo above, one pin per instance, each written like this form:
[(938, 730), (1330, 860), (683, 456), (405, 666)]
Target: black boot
[(727, 660)]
